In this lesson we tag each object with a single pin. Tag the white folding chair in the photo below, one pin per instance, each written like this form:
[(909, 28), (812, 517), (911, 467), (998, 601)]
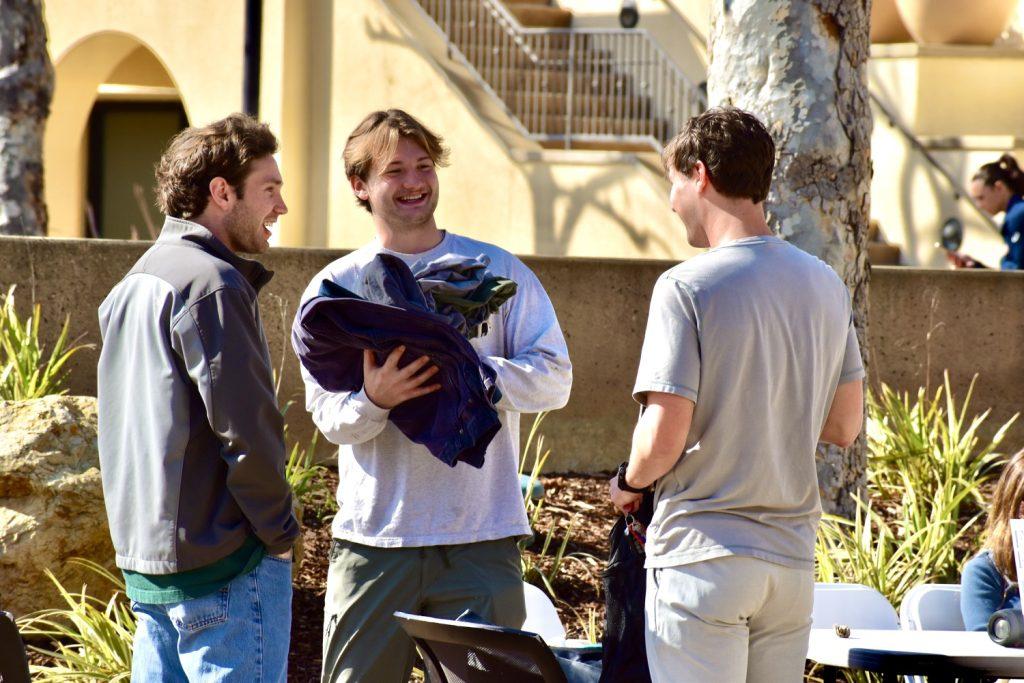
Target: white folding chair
[(932, 607), (853, 605), (541, 616)]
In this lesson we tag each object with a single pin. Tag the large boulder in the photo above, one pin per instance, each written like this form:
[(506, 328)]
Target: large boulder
[(51, 501)]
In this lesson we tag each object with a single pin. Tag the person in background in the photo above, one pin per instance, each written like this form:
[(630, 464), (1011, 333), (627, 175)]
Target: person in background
[(989, 581), (998, 187)]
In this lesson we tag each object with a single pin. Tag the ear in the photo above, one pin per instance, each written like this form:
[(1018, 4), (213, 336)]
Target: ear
[(700, 176), (359, 188), (221, 193)]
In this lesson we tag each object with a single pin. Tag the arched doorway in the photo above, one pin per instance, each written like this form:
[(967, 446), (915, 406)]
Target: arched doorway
[(115, 107)]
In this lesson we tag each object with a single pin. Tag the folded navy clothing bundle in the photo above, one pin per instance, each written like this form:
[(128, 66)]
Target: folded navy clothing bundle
[(455, 423)]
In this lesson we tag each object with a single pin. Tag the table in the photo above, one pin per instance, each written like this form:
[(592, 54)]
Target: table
[(940, 655)]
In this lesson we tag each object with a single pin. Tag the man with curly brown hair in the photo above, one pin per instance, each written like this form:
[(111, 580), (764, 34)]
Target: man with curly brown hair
[(190, 435)]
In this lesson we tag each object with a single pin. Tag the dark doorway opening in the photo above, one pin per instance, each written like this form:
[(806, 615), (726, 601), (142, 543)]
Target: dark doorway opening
[(126, 140)]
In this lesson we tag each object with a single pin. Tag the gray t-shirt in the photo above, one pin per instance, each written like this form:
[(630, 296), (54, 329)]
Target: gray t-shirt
[(758, 334)]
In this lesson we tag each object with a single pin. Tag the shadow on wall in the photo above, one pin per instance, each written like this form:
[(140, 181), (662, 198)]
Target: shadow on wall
[(555, 238)]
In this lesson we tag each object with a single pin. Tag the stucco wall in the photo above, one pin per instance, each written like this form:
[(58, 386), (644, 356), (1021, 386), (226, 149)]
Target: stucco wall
[(921, 322)]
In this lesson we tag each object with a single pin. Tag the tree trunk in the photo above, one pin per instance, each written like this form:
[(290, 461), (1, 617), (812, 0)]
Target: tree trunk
[(800, 65), (26, 89)]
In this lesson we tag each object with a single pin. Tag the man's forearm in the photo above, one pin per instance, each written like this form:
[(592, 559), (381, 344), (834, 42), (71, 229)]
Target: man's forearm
[(646, 464)]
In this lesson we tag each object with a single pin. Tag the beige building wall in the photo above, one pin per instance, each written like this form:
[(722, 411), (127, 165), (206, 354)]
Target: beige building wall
[(199, 45), (323, 69)]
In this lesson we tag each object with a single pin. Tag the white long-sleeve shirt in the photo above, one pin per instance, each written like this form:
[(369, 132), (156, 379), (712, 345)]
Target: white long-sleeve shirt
[(393, 492)]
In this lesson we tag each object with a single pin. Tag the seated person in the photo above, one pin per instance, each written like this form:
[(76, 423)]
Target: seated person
[(998, 187), (989, 581)]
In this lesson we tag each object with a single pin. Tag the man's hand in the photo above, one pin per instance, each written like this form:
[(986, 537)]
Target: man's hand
[(625, 501), (387, 385), (286, 555)]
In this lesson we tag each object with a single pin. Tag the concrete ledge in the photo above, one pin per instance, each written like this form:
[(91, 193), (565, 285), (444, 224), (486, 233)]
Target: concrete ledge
[(922, 321)]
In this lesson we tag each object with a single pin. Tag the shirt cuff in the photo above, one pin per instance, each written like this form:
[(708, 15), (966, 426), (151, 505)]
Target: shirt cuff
[(641, 390), (367, 408)]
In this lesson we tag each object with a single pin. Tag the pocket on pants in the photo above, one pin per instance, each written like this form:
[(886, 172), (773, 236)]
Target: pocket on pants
[(197, 614)]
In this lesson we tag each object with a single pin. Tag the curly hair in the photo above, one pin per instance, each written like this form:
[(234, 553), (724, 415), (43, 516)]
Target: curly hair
[(195, 156), (376, 137), (733, 145)]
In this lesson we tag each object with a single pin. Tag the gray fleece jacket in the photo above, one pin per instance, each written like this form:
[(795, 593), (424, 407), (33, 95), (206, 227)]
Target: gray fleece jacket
[(190, 434)]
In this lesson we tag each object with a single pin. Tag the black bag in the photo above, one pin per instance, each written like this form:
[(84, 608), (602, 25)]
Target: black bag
[(13, 664), (625, 579)]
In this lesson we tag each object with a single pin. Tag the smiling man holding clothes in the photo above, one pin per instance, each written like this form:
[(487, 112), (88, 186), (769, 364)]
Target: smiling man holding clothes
[(190, 436), (749, 360), (412, 533)]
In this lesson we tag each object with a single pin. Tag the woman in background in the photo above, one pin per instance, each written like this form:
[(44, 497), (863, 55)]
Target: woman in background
[(989, 581), (998, 187)]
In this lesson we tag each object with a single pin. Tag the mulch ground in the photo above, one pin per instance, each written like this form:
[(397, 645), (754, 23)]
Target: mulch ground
[(577, 504)]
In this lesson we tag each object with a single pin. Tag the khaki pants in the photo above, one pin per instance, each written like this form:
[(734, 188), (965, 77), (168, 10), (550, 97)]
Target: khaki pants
[(729, 619), (365, 586)]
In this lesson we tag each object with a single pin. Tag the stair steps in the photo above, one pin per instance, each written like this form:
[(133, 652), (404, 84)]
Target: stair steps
[(531, 73)]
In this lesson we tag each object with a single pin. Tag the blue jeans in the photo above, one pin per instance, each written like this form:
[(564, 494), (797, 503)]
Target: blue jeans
[(239, 633)]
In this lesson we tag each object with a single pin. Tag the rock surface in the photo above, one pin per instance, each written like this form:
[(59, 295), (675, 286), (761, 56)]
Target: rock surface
[(51, 501)]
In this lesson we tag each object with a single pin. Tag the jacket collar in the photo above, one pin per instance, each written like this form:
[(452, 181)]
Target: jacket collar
[(1014, 201), (181, 230)]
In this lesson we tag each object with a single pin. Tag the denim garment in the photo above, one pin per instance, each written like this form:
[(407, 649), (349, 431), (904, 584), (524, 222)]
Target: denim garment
[(455, 423), (461, 289), (239, 633), (1013, 234), (984, 591)]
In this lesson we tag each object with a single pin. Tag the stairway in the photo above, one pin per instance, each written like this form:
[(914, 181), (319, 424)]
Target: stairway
[(567, 88)]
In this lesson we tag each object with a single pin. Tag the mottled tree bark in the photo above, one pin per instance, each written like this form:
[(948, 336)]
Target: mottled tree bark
[(800, 65), (26, 89)]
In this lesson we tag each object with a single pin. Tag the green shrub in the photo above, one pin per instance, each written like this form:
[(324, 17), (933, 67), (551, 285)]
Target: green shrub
[(92, 639), (542, 567), (926, 468), (25, 372)]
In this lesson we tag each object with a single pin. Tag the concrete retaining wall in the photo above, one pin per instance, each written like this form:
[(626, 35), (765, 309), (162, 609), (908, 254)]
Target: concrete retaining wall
[(921, 322)]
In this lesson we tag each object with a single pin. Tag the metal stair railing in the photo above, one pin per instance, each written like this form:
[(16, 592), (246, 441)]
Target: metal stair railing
[(569, 86)]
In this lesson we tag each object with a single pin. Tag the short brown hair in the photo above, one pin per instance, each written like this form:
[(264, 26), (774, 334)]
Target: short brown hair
[(376, 137), (733, 145), (195, 156), (1006, 503)]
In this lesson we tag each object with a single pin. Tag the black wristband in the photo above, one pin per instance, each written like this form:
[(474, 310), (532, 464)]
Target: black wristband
[(623, 485)]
